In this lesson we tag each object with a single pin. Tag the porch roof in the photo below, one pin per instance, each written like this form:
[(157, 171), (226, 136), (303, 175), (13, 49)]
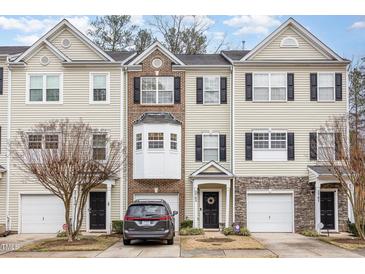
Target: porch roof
[(212, 170)]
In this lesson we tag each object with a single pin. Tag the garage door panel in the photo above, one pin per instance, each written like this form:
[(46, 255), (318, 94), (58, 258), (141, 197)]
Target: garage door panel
[(270, 212), (171, 199), (41, 214)]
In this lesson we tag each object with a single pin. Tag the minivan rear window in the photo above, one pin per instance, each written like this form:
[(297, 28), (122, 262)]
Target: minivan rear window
[(146, 211)]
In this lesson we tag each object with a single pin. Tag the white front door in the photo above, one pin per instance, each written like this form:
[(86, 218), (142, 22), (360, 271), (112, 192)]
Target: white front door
[(171, 199), (43, 213), (270, 212)]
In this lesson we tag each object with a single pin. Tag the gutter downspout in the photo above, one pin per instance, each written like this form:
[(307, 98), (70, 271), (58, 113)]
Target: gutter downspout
[(232, 146), (126, 138), (8, 160), (121, 133)]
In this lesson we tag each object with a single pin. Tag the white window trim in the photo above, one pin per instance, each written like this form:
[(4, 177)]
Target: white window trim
[(203, 147), (157, 103), (289, 37), (91, 88), (219, 89), (269, 73), (334, 87), (107, 146), (163, 141), (44, 89), (135, 142), (269, 131), (327, 131)]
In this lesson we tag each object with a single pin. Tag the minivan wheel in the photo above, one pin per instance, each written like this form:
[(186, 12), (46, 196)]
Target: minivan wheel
[(170, 241), (126, 242)]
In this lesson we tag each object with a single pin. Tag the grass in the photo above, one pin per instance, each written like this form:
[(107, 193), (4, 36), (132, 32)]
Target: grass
[(219, 243), (85, 243), (346, 243)]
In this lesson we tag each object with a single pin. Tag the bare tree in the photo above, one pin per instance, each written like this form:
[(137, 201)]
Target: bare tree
[(344, 155), (113, 32), (68, 159), (143, 40), (182, 34)]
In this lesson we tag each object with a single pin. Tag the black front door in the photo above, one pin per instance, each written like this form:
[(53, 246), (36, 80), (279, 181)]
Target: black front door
[(210, 210), (328, 210), (97, 210)]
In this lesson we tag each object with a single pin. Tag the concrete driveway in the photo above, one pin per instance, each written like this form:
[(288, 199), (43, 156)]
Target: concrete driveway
[(290, 245), (15, 241), (141, 249)]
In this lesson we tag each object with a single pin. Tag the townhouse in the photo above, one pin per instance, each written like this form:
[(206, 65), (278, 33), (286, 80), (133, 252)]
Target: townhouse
[(223, 138)]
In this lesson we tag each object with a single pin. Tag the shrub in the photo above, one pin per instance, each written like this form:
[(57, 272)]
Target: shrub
[(117, 226), (352, 229), (310, 233), (186, 224), (191, 231), (61, 234), (230, 231)]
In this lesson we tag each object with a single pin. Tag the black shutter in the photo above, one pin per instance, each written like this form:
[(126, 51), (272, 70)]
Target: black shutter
[(222, 148), (199, 90), (177, 92), (137, 90), (198, 148), (1, 80), (0, 139), (290, 83), (223, 90), (313, 86), (248, 141), (338, 146), (313, 145), (248, 86), (291, 153), (338, 82)]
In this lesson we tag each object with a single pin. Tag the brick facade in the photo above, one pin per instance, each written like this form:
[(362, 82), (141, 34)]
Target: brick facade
[(136, 110), (304, 211)]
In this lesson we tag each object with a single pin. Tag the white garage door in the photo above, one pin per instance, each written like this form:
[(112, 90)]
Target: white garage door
[(41, 214), (270, 212), (171, 199)]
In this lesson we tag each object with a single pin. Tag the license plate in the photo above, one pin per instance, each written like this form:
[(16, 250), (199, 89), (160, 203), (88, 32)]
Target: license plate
[(146, 223)]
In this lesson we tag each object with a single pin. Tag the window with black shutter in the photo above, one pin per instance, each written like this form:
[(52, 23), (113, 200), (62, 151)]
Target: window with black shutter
[(313, 145), (338, 81), (291, 148), (177, 90), (199, 90), (313, 86), (248, 146), (137, 90), (290, 89), (222, 148), (248, 79), (223, 90), (198, 148), (1, 80)]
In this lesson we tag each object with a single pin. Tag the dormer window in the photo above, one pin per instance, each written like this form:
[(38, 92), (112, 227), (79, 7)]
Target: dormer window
[(289, 42)]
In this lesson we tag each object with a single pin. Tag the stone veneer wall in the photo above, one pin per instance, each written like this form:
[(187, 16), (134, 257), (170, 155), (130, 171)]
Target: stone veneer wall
[(304, 216)]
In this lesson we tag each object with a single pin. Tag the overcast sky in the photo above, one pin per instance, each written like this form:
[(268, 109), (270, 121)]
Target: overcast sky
[(344, 34)]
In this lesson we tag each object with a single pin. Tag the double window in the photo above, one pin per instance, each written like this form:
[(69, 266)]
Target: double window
[(269, 86), (99, 147), (211, 90), (326, 87), (99, 88), (210, 147), (44, 88), (155, 140), (269, 140), (157, 90), (40, 141)]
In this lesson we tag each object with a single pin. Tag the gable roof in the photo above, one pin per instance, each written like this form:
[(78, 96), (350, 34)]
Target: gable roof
[(10, 50), (307, 34), (153, 47), (203, 59), (234, 55), (221, 171), (157, 118), (65, 23)]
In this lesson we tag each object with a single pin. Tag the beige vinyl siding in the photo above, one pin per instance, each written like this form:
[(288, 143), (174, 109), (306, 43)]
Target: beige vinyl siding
[(201, 119), (75, 106), (273, 51), (300, 116), (3, 125), (78, 49)]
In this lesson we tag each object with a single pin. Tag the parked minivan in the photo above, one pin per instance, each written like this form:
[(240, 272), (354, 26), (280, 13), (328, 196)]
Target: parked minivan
[(149, 220)]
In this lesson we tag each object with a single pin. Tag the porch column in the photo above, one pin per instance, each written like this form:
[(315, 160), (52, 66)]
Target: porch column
[(317, 206), (195, 205), (108, 208), (228, 195)]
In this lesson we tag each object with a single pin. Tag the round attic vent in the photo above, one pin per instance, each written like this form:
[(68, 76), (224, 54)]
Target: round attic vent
[(44, 60), (157, 63), (66, 43)]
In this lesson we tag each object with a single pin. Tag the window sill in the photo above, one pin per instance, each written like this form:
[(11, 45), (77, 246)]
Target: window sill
[(156, 105), (44, 103), (99, 103), (283, 101)]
